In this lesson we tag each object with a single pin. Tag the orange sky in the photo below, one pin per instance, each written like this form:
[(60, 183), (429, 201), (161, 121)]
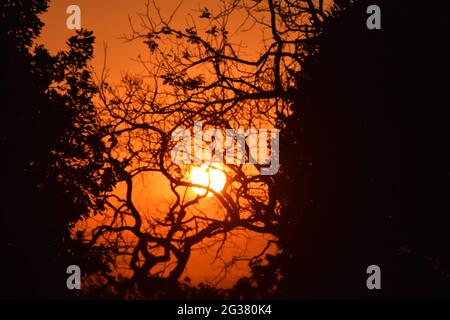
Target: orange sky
[(109, 19)]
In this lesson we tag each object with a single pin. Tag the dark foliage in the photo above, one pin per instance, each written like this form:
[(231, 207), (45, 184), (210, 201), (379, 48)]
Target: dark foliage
[(366, 177), (52, 155)]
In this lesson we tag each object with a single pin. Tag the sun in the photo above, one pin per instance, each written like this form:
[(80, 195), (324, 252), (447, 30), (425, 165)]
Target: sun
[(208, 175)]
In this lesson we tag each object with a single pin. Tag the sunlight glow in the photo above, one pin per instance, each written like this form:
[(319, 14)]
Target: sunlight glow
[(209, 176)]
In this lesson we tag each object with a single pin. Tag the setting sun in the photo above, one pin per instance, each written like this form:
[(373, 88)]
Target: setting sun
[(209, 176)]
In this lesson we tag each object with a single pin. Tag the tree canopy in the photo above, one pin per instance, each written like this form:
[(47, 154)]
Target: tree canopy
[(54, 168)]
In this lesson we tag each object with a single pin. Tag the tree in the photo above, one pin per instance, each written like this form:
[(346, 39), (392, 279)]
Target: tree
[(198, 74), (348, 193), (54, 168), (365, 183)]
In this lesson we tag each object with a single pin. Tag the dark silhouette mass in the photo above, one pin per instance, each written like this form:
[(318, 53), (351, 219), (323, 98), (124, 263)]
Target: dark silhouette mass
[(52, 155), (367, 179)]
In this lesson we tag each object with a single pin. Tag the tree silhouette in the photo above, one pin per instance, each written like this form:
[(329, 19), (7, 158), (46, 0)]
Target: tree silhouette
[(365, 183), (53, 162), (197, 74), (353, 189)]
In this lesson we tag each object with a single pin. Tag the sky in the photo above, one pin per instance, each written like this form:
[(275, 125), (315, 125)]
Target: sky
[(110, 21)]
